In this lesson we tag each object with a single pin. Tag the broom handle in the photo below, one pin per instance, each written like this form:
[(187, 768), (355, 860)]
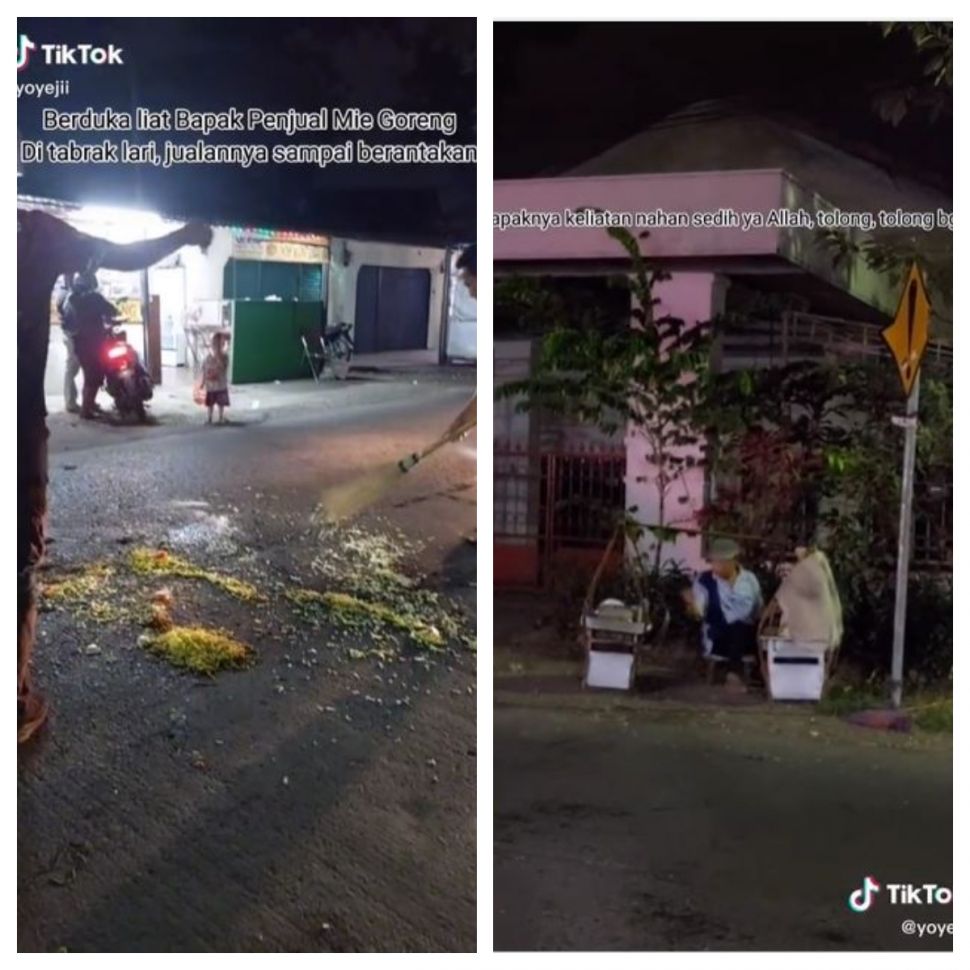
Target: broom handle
[(411, 460), (448, 437)]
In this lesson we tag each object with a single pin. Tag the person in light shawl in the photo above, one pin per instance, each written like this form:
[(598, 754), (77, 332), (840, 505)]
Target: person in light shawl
[(809, 600)]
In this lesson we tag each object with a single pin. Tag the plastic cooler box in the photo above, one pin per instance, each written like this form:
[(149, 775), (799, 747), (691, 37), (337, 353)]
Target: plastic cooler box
[(796, 668)]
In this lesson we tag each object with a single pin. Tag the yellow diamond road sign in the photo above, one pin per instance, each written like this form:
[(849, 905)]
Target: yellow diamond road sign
[(908, 335)]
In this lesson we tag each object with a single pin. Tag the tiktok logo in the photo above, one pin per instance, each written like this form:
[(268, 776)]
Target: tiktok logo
[(24, 48), (863, 898)]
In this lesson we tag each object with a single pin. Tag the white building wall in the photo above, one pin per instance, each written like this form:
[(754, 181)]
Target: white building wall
[(204, 271), (694, 298)]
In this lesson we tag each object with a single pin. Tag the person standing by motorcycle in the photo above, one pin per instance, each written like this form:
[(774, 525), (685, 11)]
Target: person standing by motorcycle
[(87, 313), (48, 247), (72, 366)]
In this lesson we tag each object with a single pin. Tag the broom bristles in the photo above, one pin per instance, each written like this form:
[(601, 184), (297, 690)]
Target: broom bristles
[(345, 500), (349, 498)]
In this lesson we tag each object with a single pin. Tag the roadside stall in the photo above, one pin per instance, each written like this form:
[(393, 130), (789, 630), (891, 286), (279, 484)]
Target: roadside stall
[(614, 630)]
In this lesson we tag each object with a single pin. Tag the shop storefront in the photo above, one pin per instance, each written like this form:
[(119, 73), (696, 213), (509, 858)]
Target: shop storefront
[(262, 286), (275, 286), (267, 288)]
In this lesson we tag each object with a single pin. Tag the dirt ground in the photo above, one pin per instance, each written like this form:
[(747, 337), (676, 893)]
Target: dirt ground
[(637, 823)]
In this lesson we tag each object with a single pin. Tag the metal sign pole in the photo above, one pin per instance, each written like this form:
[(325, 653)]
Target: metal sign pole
[(910, 423)]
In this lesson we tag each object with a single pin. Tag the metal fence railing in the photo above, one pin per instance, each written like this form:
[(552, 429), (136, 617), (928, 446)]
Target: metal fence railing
[(562, 503), (582, 495), (797, 336)]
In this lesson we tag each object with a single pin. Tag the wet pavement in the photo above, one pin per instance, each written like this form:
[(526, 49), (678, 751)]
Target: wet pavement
[(625, 823), (679, 816), (322, 799)]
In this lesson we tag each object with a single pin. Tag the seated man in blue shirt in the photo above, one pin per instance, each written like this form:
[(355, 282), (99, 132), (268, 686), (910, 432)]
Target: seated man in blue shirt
[(727, 600)]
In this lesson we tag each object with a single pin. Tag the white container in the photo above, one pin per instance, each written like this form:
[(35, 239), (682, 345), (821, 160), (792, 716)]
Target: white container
[(796, 668), (609, 669)]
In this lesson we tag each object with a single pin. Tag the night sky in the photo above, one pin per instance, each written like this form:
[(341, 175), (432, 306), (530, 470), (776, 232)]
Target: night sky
[(209, 64), (565, 92)]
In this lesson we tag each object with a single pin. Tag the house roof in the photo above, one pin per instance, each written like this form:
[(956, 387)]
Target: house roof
[(725, 136)]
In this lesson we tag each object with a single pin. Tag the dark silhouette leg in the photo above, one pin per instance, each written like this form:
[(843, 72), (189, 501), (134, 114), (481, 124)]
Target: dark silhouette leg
[(31, 516), (736, 641)]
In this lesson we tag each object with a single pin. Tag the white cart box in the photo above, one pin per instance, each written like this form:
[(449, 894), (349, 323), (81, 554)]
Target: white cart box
[(612, 633), (796, 668), (610, 670)]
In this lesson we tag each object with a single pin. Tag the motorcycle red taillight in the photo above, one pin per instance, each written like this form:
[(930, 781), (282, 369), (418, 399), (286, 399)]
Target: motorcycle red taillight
[(117, 353)]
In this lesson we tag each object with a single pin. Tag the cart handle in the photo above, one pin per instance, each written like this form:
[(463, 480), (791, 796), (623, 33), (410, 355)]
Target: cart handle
[(594, 582)]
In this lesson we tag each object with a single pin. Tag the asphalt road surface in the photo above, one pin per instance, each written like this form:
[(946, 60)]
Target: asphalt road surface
[(313, 802), (652, 828)]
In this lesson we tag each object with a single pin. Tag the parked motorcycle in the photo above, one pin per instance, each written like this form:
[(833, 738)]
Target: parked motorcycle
[(330, 349), (126, 379), (338, 349)]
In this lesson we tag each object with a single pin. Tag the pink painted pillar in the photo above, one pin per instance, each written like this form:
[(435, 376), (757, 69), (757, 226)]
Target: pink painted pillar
[(694, 298)]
